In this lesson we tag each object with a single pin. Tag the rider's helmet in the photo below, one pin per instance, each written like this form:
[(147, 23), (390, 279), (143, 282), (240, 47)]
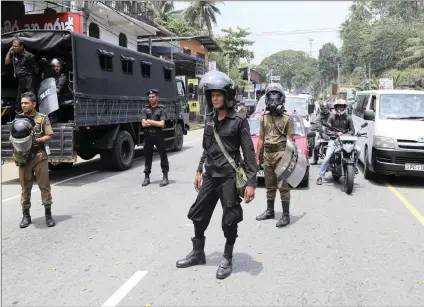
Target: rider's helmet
[(21, 132), (324, 107), (340, 106), (218, 81)]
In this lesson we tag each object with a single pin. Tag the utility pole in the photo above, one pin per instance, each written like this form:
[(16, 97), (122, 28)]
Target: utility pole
[(248, 75), (338, 76), (369, 75), (228, 66), (310, 46)]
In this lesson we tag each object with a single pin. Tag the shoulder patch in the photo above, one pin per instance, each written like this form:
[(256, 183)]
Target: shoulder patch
[(241, 115), (41, 114), (47, 121)]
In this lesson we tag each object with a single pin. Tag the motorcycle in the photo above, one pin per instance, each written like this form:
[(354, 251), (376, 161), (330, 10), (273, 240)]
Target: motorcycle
[(323, 144), (342, 162)]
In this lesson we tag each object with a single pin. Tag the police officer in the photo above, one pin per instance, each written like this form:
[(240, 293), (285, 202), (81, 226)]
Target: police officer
[(36, 162), (24, 66), (321, 119), (275, 128), (153, 119), (219, 182)]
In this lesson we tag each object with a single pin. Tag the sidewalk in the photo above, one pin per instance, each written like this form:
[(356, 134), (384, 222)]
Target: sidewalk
[(194, 125)]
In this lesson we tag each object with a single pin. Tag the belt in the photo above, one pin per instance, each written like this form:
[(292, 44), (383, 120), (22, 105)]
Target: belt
[(274, 148), (152, 130)]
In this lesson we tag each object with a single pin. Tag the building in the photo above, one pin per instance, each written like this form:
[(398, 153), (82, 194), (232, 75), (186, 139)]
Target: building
[(255, 78), (191, 58), (116, 22)]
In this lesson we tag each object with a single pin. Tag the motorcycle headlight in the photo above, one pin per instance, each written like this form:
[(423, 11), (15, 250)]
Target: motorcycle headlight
[(383, 142), (348, 147)]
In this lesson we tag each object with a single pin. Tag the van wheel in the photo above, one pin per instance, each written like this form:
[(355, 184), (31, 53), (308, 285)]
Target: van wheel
[(368, 174), (179, 138), (122, 153)]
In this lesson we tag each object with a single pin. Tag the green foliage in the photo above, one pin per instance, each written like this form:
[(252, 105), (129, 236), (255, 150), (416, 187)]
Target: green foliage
[(181, 28), (327, 61), (202, 13), (234, 45)]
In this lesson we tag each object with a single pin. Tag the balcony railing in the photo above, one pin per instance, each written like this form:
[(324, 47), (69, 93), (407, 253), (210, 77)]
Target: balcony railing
[(134, 9)]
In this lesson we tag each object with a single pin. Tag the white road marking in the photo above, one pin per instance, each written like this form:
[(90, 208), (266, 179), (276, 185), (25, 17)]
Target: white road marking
[(79, 176), (124, 289)]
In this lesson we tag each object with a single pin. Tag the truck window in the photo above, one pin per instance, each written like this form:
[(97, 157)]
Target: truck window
[(360, 105), (127, 64), (373, 99), (105, 59), (167, 73), (145, 69)]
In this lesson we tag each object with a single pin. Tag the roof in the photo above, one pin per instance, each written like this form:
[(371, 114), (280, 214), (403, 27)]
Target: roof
[(379, 92), (205, 40)]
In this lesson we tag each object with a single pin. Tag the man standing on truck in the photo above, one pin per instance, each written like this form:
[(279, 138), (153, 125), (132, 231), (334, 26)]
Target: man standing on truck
[(153, 119), (24, 67), (36, 160)]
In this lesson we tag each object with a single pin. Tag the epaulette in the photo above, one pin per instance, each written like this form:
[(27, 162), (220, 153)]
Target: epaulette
[(240, 115), (41, 114), (161, 106)]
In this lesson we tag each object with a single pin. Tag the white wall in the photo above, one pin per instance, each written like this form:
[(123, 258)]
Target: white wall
[(111, 35)]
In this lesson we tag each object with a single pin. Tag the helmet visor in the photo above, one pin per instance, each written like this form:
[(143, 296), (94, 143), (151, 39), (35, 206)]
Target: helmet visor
[(23, 144), (214, 80)]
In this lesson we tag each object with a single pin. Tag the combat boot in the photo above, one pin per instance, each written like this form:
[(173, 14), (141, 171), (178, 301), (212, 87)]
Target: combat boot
[(26, 219), (226, 266), (49, 219), (284, 221), (269, 212), (146, 181), (165, 180), (196, 256)]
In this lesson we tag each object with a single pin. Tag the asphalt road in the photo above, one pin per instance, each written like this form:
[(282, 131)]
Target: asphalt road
[(116, 243)]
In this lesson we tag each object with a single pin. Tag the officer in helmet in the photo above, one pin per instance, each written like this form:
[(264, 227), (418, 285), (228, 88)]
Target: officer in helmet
[(275, 129), (29, 134), (321, 119), (219, 179)]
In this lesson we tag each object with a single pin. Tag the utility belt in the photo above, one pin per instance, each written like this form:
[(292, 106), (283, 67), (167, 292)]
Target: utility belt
[(152, 130), (271, 148)]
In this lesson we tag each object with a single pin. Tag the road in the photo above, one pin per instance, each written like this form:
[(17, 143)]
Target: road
[(116, 243)]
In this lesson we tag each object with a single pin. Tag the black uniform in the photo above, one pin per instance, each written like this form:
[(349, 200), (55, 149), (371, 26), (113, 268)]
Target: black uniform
[(219, 181), (154, 136), (25, 68)]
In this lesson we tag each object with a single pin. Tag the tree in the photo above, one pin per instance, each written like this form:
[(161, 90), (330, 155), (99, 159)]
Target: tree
[(163, 10), (414, 53), (181, 28), (202, 13), (234, 45), (327, 61)]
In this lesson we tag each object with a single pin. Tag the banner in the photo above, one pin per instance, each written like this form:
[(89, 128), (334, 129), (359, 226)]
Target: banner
[(58, 21), (193, 81)]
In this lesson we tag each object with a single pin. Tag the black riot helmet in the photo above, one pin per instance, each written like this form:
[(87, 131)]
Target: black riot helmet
[(218, 81), (21, 132), (275, 98)]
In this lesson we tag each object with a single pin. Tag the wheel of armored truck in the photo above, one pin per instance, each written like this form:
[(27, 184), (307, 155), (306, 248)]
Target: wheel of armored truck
[(179, 138), (57, 166), (122, 153)]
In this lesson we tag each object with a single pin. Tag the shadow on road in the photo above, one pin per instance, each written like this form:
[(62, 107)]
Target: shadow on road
[(242, 263), (91, 166), (40, 222)]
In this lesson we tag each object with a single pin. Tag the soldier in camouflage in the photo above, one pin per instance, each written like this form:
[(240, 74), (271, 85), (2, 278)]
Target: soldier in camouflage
[(275, 128)]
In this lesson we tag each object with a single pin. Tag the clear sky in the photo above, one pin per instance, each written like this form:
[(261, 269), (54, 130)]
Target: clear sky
[(283, 16)]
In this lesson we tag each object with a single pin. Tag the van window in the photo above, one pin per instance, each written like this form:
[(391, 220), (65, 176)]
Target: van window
[(361, 105), (399, 106), (145, 69), (167, 73), (105, 59), (373, 101), (127, 64)]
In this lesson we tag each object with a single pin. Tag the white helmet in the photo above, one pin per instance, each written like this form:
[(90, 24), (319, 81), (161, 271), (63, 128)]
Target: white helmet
[(340, 102)]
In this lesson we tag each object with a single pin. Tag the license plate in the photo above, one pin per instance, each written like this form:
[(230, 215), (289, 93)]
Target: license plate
[(414, 167), (260, 173)]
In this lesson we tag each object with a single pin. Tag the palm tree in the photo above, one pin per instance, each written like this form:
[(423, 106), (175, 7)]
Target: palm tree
[(202, 13), (414, 54), (163, 10)]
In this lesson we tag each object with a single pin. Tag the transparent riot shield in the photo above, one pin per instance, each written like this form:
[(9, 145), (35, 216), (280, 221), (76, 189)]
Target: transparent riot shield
[(47, 96), (292, 167)]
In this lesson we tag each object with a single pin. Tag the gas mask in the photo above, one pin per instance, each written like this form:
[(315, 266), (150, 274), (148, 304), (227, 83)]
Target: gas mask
[(274, 103)]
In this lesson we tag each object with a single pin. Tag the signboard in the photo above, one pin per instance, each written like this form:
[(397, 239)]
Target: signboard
[(334, 89), (249, 88), (263, 86), (212, 65), (193, 81), (58, 21), (257, 86), (194, 105), (275, 78), (385, 83)]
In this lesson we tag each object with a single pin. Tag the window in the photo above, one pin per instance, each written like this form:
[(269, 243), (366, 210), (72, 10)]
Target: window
[(187, 51), (373, 100), (200, 55), (123, 42), (105, 59), (167, 73), (93, 30), (361, 103), (145, 69), (298, 128), (127, 64)]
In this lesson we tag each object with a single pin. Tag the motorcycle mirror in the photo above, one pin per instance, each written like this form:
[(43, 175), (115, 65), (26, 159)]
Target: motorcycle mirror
[(364, 125)]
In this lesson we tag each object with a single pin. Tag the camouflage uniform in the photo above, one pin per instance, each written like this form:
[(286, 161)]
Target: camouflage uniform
[(274, 146)]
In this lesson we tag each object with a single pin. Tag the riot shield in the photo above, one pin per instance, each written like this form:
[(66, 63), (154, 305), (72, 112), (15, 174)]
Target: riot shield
[(292, 167), (47, 96)]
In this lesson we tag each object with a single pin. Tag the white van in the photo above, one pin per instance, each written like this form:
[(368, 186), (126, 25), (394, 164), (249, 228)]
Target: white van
[(395, 133)]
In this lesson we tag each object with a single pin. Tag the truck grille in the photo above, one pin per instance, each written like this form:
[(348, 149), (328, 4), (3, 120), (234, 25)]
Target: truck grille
[(403, 160)]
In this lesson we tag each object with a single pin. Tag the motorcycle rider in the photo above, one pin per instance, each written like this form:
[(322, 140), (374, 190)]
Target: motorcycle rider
[(321, 119), (341, 121)]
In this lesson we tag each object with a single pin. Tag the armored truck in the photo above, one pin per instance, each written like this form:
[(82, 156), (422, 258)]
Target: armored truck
[(107, 88)]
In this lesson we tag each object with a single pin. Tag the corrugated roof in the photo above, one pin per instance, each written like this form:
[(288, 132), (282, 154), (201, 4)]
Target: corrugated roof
[(205, 40)]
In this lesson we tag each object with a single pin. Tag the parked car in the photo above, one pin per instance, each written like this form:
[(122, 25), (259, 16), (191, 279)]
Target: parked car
[(300, 138), (250, 105)]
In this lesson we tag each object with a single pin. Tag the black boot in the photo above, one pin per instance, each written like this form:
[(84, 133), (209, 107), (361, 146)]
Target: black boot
[(165, 180), (316, 157), (226, 266), (49, 219), (26, 219), (269, 212), (146, 181), (196, 256), (284, 221)]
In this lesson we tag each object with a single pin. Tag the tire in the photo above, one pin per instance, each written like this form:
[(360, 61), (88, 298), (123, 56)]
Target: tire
[(122, 153), (349, 178), (368, 174), (61, 166), (86, 154), (179, 138)]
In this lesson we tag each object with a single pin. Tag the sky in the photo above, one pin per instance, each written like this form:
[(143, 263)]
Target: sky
[(262, 17)]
